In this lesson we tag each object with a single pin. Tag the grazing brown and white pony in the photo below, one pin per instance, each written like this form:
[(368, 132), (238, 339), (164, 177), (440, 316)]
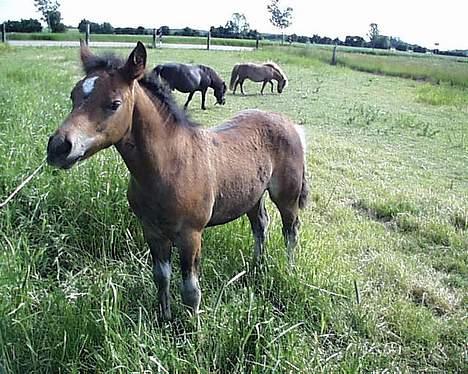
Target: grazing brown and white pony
[(258, 73), (183, 178)]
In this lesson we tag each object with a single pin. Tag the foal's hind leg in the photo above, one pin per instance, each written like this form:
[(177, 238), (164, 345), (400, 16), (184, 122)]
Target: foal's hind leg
[(161, 254), (259, 221), (287, 202), (291, 226)]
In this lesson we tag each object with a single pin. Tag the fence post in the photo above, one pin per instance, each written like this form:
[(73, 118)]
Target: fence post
[(333, 61), (87, 33), (4, 32), (208, 40), (154, 38), (257, 37)]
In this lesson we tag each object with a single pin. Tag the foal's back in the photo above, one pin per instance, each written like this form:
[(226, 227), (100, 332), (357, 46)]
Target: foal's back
[(255, 151)]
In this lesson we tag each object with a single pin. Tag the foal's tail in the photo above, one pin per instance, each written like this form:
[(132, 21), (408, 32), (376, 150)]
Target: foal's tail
[(303, 196), (234, 75), (304, 188)]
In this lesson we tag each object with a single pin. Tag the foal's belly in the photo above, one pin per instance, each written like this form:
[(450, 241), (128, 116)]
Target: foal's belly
[(225, 211), (236, 200)]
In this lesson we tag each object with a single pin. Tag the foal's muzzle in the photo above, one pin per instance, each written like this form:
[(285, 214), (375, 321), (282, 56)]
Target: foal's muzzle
[(58, 151)]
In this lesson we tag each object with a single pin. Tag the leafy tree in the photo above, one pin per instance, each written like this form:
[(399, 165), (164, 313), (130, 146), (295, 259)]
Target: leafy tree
[(238, 24), (165, 30), (82, 25), (96, 28), (398, 44), (46, 7), (303, 39), (373, 34), (337, 41), (382, 42), (281, 19), (187, 31), (106, 28), (354, 41), (54, 22), (25, 25)]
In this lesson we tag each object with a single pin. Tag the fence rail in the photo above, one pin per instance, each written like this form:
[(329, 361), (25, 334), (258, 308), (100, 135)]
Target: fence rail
[(156, 39)]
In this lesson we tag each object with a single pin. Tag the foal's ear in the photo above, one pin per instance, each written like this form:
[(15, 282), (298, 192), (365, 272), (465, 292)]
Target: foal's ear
[(85, 52), (135, 66)]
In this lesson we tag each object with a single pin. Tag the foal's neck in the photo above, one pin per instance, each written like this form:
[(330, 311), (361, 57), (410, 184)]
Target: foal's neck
[(153, 137)]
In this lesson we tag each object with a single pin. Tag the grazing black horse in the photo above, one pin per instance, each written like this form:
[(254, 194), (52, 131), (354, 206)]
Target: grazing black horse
[(192, 78)]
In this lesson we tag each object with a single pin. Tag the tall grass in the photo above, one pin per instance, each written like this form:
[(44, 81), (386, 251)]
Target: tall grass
[(388, 213), (434, 69), (442, 95)]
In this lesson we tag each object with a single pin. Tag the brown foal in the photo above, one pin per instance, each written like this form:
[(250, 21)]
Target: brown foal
[(183, 178)]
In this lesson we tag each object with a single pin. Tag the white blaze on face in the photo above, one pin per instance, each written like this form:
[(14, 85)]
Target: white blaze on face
[(88, 85)]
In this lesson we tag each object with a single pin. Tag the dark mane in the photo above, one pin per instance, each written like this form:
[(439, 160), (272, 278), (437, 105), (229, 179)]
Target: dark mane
[(157, 90), (211, 72), (107, 61), (164, 95)]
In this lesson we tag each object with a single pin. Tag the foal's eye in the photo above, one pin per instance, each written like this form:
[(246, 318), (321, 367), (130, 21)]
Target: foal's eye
[(115, 105)]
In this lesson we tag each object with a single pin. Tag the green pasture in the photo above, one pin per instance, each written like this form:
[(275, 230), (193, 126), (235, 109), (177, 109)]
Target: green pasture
[(436, 69), (381, 279), (421, 67)]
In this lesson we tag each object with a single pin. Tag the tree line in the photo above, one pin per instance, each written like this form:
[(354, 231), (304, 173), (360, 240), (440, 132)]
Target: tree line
[(236, 28)]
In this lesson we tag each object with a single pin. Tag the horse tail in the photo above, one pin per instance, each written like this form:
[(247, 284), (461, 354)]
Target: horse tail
[(303, 195), (234, 75)]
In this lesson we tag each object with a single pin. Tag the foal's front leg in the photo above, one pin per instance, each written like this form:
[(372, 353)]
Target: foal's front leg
[(161, 254), (189, 244)]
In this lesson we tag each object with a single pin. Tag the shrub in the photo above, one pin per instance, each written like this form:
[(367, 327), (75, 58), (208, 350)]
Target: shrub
[(25, 25)]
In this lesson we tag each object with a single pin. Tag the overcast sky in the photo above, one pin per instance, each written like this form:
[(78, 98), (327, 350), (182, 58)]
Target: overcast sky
[(414, 21)]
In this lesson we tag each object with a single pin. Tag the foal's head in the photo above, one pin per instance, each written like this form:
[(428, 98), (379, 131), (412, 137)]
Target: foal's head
[(102, 108)]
